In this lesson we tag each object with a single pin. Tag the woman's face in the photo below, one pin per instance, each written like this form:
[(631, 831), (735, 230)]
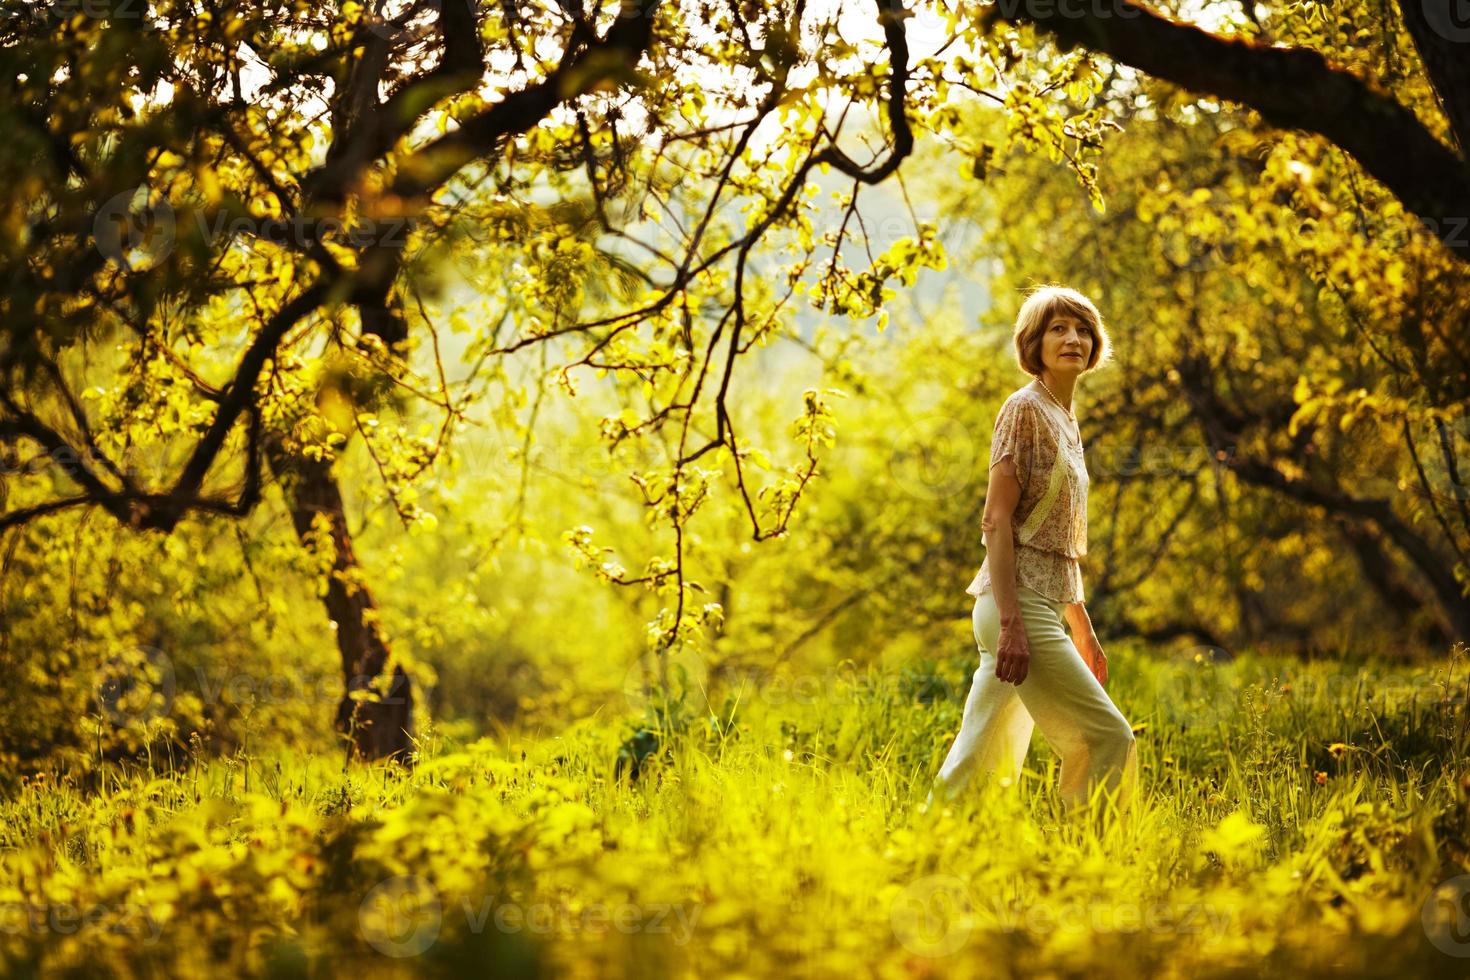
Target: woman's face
[(1066, 344)]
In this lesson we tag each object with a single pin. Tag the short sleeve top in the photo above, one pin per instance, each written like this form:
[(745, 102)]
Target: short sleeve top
[(1049, 525)]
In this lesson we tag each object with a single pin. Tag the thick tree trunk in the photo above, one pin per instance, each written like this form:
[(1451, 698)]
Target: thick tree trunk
[(1378, 570), (378, 726), (1223, 426), (1440, 32)]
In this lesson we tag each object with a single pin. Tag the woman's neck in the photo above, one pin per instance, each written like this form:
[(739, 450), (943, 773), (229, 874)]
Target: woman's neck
[(1061, 389)]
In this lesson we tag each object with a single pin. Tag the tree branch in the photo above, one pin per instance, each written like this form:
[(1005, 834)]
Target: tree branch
[(583, 66), (1293, 88), (891, 14)]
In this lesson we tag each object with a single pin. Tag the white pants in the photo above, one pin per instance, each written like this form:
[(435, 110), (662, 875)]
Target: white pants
[(1059, 695)]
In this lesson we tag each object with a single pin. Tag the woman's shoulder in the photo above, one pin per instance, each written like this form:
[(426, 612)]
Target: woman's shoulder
[(1021, 398), (1025, 391), (1027, 403)]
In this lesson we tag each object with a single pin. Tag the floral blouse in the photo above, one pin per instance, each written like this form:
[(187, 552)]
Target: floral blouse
[(1049, 526)]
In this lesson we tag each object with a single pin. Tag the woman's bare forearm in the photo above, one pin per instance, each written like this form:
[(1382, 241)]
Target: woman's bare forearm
[(1077, 618), (1000, 549)]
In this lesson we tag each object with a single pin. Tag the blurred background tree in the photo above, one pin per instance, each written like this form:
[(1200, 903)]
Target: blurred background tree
[(475, 296)]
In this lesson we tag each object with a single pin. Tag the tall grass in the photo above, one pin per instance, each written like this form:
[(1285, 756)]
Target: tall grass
[(1292, 818)]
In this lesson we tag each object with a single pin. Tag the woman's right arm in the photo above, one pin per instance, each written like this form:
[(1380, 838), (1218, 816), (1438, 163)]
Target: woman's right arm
[(1000, 503), (1013, 656)]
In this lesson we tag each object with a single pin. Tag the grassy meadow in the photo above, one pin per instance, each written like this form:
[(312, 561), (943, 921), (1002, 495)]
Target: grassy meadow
[(1294, 819), (425, 365)]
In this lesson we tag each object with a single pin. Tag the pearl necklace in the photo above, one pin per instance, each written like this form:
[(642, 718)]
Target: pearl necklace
[(1074, 438)]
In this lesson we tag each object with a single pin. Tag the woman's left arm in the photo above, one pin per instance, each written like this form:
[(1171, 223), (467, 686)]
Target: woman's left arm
[(1085, 639), (1077, 618)]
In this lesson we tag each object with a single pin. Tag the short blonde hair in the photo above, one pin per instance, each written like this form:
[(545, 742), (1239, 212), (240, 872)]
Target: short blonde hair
[(1042, 303)]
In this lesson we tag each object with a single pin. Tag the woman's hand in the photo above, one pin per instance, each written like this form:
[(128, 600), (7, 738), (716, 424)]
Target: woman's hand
[(1093, 656), (1013, 659)]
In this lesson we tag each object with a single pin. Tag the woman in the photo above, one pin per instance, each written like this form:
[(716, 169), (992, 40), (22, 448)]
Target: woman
[(1029, 587)]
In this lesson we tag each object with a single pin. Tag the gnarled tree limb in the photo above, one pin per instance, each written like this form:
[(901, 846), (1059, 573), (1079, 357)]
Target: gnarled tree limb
[(1294, 88)]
